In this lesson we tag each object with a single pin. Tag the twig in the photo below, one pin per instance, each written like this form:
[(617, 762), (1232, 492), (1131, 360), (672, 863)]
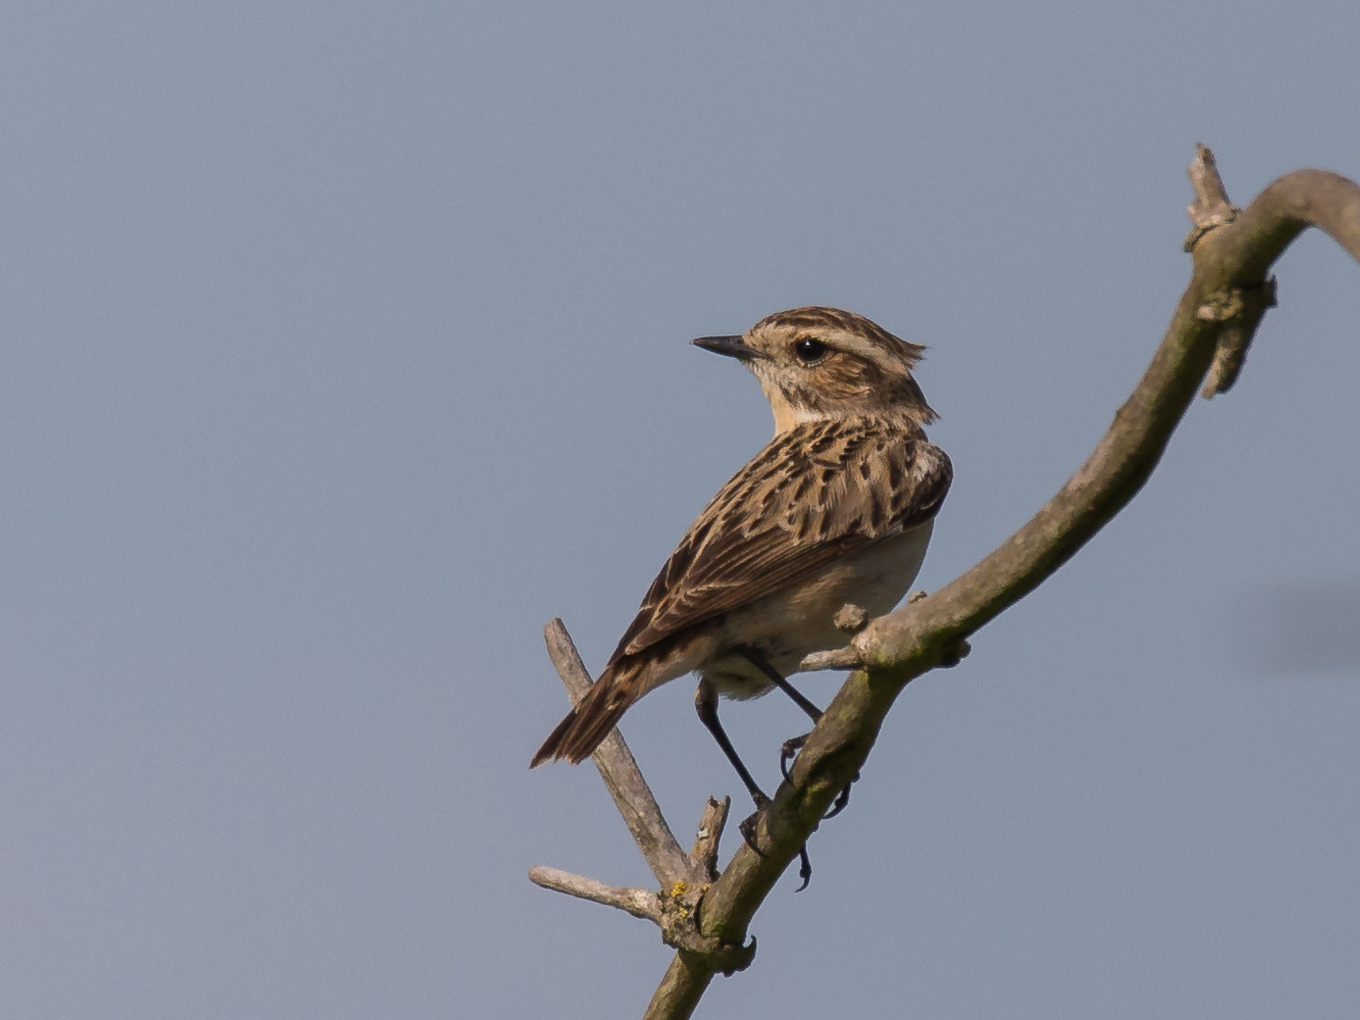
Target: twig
[(1211, 207), (1240, 311), (703, 858), (620, 772), (685, 878), (837, 658), (639, 902)]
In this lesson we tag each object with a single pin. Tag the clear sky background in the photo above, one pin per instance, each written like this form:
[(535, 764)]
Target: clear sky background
[(343, 345)]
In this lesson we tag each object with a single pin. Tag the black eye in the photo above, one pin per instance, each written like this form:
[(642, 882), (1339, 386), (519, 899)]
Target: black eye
[(809, 351)]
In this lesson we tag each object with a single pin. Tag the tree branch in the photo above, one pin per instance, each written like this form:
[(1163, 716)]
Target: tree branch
[(620, 772), (1226, 293), (1209, 334), (639, 902), (703, 859), (684, 878)]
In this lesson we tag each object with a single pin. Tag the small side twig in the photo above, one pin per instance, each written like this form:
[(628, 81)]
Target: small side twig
[(1239, 310), (1211, 207), (703, 859), (851, 619), (620, 772), (685, 878), (639, 902), (837, 658)]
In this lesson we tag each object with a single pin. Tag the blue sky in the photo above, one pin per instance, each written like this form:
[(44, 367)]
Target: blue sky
[(341, 346)]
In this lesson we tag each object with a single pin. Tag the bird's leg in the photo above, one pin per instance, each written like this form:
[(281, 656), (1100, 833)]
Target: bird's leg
[(794, 744), (755, 658), (706, 704)]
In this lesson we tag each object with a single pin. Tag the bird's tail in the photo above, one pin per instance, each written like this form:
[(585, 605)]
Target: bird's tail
[(594, 716)]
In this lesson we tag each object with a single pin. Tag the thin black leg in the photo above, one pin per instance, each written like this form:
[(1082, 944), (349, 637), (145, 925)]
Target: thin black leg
[(706, 704), (793, 744), (775, 677)]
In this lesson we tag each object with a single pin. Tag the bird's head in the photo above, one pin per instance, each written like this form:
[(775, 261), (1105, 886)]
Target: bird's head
[(817, 363)]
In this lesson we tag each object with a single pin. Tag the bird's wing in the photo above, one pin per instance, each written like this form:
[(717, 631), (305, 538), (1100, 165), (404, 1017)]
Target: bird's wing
[(816, 493)]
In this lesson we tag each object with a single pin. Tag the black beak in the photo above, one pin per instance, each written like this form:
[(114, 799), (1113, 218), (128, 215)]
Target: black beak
[(732, 346)]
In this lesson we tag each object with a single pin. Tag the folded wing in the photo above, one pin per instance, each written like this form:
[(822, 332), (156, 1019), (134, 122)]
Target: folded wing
[(818, 492)]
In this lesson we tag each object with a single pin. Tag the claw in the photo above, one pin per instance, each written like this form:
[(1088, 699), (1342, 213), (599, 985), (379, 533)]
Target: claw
[(790, 748), (747, 828), (786, 755), (842, 799), (748, 834), (804, 868)]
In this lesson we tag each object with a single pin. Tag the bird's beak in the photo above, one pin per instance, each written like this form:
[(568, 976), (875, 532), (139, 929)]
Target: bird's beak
[(731, 346)]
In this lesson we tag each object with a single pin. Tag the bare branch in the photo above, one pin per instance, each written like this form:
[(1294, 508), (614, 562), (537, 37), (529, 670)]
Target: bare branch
[(620, 772), (639, 902), (1210, 333), (1228, 293), (837, 658), (703, 859), (681, 988), (1211, 207), (1230, 263)]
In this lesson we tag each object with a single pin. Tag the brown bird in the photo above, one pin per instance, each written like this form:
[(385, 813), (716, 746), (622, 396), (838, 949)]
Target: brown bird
[(837, 509)]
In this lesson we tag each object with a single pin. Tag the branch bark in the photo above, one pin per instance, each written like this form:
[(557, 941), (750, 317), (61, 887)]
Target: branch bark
[(1209, 334), (685, 878), (620, 772), (638, 902)]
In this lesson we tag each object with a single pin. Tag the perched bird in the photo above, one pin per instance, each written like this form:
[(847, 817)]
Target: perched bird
[(837, 509)]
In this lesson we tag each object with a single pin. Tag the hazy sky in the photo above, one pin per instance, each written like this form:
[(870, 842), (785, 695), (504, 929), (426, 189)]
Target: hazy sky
[(344, 345)]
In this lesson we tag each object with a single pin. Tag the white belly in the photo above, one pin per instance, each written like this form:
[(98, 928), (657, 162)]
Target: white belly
[(794, 622)]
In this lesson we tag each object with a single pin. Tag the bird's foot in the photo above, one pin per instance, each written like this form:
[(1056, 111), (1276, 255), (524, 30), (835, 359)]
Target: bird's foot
[(842, 799), (789, 751), (804, 868), (748, 825), (748, 834)]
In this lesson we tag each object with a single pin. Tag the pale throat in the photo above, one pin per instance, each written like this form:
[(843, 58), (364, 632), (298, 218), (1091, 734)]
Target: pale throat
[(789, 414)]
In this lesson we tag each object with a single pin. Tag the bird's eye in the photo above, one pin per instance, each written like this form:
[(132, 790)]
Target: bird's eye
[(809, 351)]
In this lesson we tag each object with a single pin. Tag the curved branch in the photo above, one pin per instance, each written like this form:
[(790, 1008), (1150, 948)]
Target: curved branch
[(1231, 261), (1227, 295)]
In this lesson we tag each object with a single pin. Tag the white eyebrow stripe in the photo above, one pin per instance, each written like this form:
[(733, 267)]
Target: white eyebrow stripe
[(854, 344)]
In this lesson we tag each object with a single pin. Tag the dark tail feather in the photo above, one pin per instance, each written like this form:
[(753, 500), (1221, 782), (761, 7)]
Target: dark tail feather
[(586, 725)]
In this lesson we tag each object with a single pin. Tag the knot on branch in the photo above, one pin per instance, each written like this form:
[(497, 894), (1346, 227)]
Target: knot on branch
[(954, 653), (1239, 311), (680, 930), (850, 618)]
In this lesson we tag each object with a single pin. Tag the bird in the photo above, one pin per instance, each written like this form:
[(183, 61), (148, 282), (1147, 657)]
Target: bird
[(837, 509)]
